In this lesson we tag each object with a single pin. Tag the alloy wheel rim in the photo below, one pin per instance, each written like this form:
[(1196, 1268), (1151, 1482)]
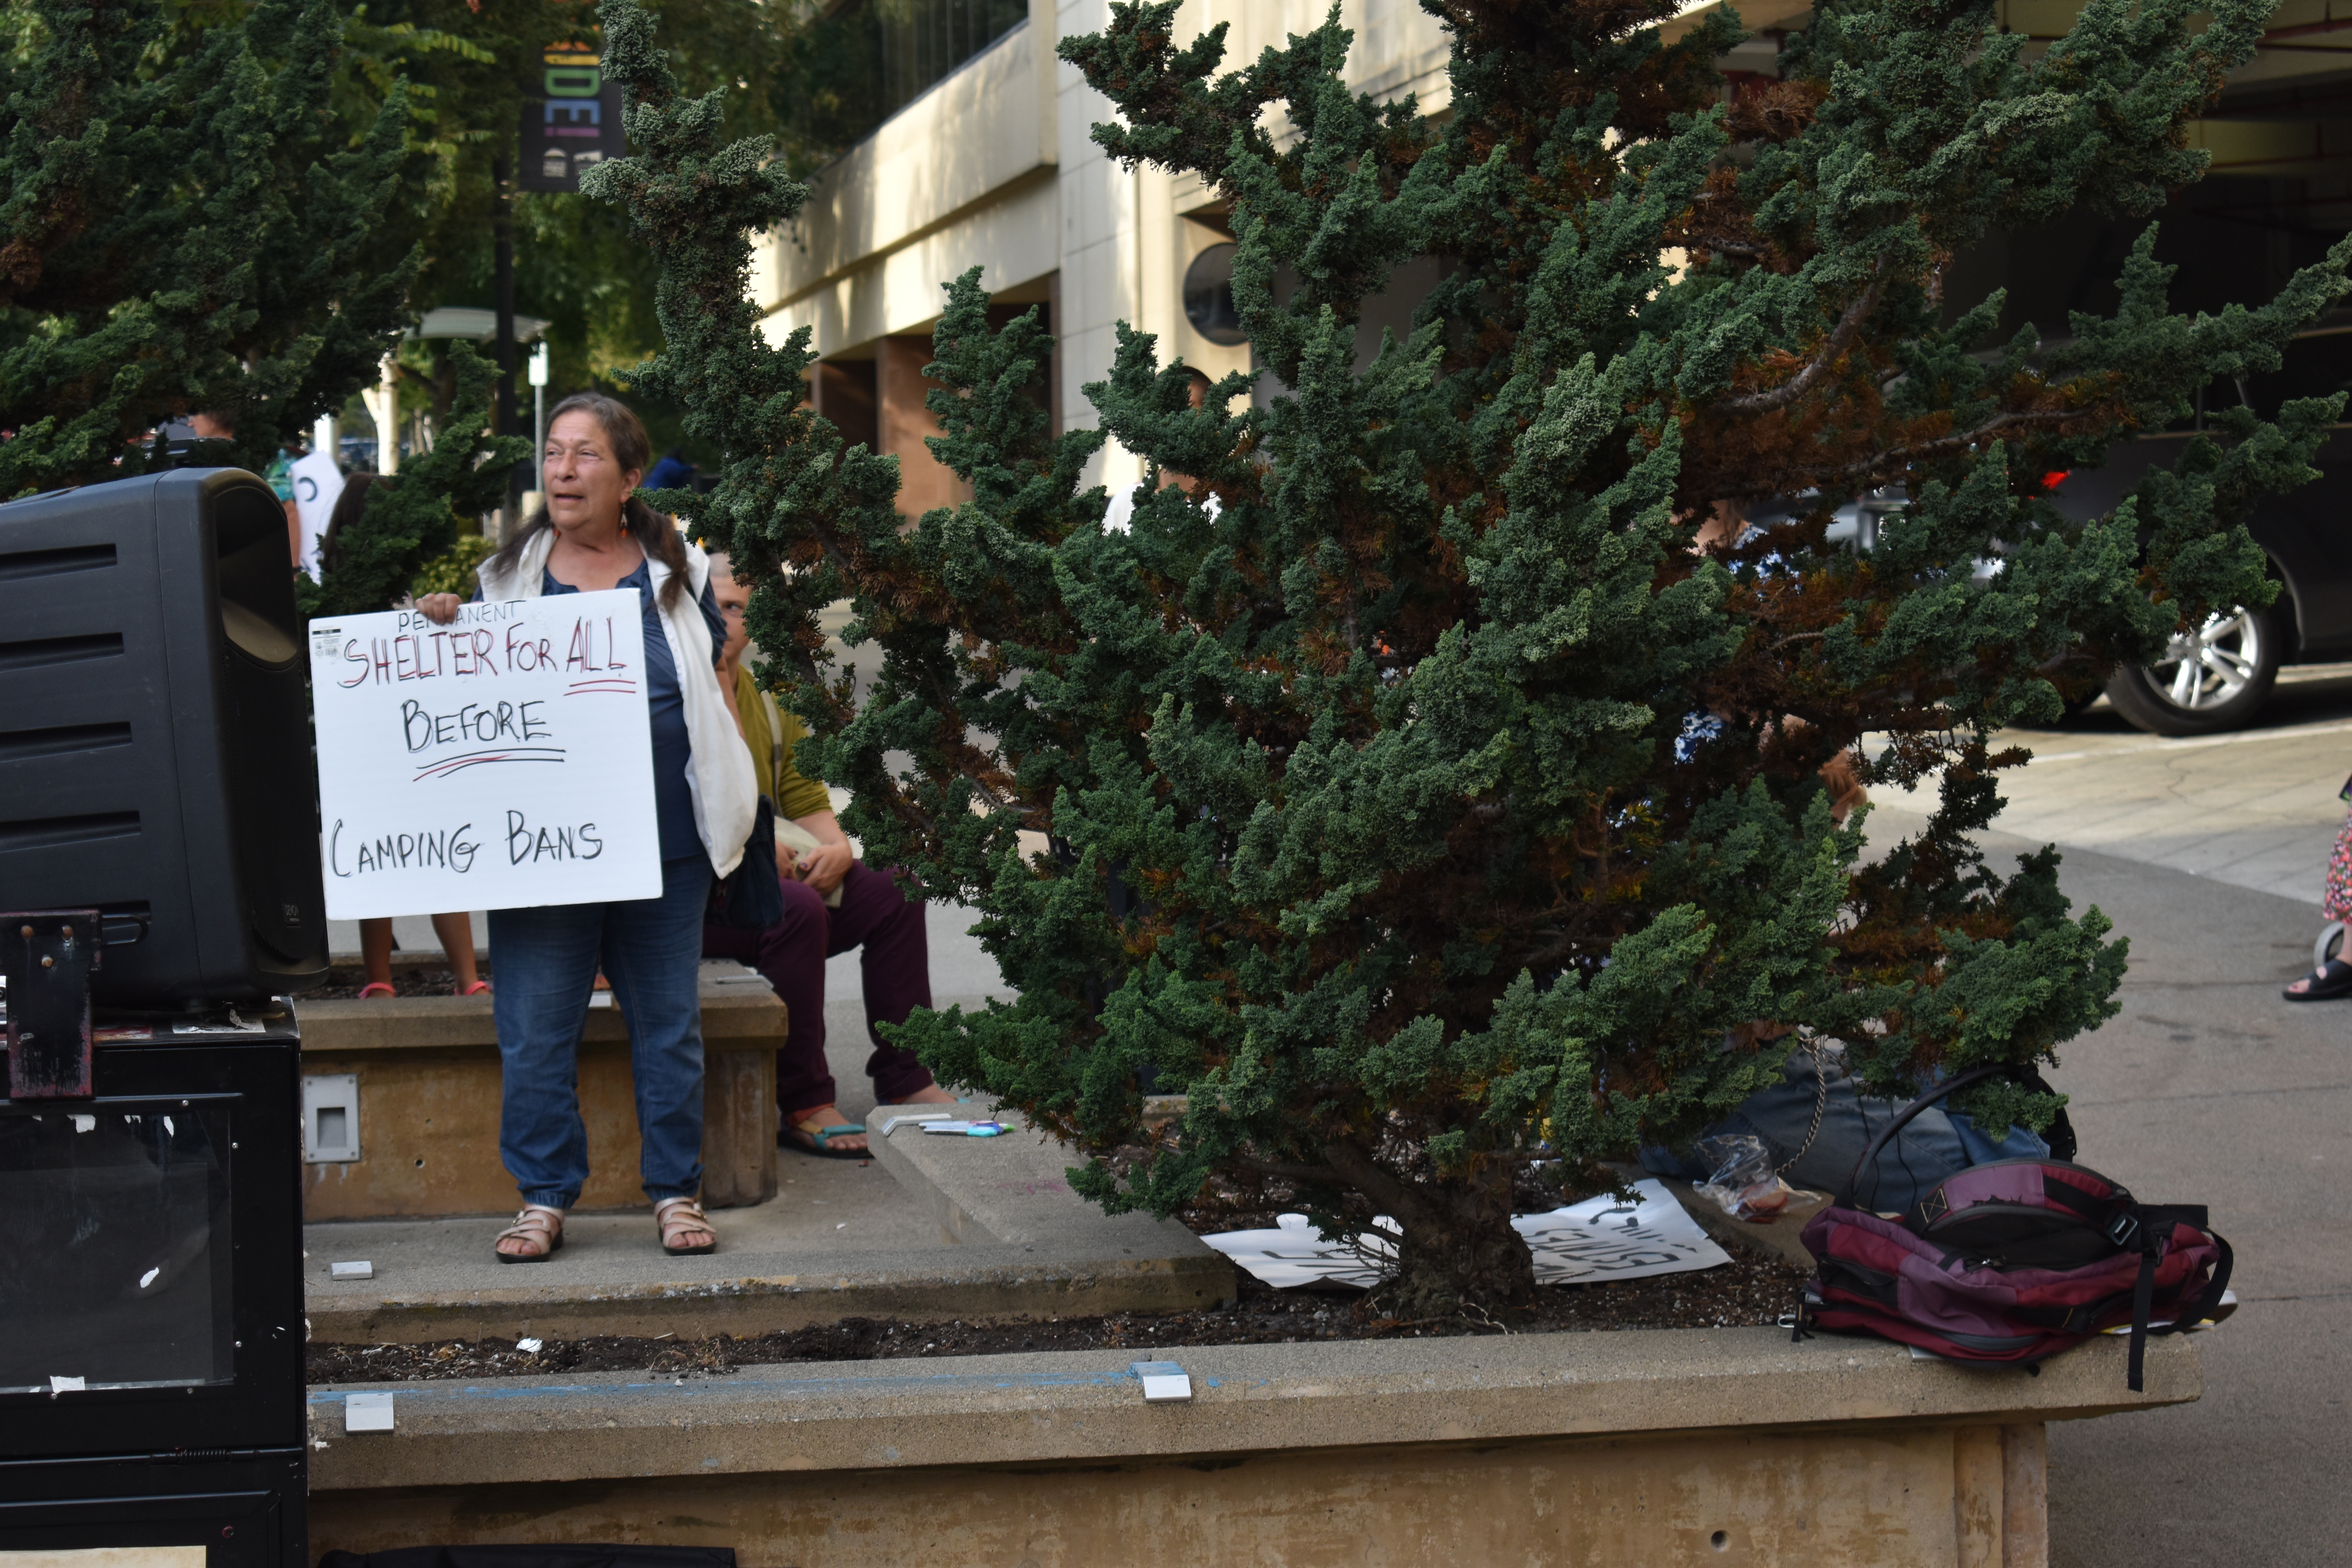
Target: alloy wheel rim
[(2202, 669)]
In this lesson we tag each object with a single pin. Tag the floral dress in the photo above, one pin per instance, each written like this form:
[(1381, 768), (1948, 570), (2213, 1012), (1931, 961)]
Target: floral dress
[(2336, 902)]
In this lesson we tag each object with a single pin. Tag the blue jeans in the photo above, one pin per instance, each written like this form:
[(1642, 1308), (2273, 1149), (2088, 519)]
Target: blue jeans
[(1934, 1144), (544, 962)]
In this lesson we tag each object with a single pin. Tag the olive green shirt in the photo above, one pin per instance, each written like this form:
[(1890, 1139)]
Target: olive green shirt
[(772, 730)]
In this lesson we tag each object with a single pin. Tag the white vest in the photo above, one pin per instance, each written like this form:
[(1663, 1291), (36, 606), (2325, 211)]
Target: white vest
[(718, 777)]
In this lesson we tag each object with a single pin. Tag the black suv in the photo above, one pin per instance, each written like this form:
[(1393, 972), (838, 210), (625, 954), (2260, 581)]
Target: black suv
[(2216, 676)]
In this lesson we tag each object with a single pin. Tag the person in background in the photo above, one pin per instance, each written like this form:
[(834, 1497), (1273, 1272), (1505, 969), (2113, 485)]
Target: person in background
[(220, 424), (594, 534), (455, 931), (873, 915), (2333, 978), (673, 472), (316, 483), (1726, 525), (349, 505)]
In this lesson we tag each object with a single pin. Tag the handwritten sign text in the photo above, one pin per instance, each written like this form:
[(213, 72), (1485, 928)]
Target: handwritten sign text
[(500, 761)]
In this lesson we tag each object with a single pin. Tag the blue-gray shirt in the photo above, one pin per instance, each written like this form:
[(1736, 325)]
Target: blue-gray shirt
[(666, 707)]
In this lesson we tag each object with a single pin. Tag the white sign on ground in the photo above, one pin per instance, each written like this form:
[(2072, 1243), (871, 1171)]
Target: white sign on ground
[(1600, 1238), (501, 761)]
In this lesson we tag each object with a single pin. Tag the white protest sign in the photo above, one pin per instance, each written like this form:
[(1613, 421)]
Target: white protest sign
[(501, 761)]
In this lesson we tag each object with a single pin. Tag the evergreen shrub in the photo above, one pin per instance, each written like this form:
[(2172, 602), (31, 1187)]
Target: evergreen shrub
[(186, 225), (1448, 799)]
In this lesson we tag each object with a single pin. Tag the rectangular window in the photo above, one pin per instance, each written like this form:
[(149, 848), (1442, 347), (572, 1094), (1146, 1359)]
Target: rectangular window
[(875, 57)]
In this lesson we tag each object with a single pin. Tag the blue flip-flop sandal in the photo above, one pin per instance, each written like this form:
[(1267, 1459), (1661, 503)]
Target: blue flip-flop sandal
[(789, 1135)]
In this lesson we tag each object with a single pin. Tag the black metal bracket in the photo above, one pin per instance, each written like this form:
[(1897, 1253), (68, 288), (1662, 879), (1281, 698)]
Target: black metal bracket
[(46, 957)]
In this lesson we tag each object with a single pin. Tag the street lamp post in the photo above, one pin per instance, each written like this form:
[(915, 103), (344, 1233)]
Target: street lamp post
[(539, 418)]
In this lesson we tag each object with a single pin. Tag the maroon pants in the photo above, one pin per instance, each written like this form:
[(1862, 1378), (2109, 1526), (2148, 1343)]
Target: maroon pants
[(896, 964)]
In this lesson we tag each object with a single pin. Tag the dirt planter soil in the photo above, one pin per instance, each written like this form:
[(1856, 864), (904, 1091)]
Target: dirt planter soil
[(1749, 1291)]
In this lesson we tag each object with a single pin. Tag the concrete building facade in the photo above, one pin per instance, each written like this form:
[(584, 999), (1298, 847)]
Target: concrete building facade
[(993, 167)]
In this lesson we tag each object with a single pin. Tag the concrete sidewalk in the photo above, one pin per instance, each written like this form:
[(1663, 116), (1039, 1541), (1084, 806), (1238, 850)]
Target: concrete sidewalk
[(2209, 1088), (2257, 808)]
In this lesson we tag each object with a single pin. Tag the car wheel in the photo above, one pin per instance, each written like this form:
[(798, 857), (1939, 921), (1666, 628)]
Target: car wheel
[(2211, 679)]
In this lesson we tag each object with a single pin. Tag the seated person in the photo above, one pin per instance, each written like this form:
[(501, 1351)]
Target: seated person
[(1931, 1147), (873, 914)]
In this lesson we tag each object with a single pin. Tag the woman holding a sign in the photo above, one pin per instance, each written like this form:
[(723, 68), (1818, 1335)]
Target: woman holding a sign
[(594, 534)]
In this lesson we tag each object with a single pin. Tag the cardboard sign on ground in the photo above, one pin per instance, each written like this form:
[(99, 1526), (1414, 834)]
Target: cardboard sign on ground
[(502, 761)]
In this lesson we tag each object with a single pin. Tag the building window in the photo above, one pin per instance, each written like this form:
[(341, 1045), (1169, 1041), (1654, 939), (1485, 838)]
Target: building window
[(879, 56)]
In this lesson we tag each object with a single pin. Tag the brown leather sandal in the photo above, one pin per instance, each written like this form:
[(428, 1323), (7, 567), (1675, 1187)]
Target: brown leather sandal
[(541, 1227), (676, 1217)]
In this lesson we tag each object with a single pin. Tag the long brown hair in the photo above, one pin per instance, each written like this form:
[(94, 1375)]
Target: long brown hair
[(625, 432)]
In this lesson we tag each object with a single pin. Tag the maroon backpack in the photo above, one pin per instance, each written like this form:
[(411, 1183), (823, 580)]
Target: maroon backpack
[(2011, 1261)]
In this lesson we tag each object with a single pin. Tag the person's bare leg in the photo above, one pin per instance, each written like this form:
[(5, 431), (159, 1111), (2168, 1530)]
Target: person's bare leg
[(456, 934), (375, 951), (929, 1094)]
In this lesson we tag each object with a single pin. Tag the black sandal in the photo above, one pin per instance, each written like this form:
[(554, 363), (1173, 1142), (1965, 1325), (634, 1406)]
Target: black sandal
[(2333, 978)]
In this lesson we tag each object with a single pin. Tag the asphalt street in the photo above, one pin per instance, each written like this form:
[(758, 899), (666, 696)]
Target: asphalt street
[(2210, 1088)]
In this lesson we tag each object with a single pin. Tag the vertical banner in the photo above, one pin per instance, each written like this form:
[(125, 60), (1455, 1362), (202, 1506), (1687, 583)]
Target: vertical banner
[(570, 119)]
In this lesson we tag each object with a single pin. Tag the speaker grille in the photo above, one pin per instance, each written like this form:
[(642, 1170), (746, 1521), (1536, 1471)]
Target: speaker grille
[(19, 565), (63, 832), (19, 745), (35, 652)]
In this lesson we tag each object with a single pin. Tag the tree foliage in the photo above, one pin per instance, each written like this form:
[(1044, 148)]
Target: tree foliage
[(1447, 797), (785, 67), (186, 224), (415, 519)]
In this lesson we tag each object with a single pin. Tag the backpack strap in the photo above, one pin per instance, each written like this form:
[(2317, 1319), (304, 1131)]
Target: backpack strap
[(2143, 1291), (2155, 1224), (1869, 1161)]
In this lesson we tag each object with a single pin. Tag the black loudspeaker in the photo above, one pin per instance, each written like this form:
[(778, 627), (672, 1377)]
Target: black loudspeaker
[(154, 735), (151, 1303)]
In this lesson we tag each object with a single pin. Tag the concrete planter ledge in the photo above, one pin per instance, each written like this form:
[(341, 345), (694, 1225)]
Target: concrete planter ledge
[(1601, 1448), (426, 1076), (1087, 1405)]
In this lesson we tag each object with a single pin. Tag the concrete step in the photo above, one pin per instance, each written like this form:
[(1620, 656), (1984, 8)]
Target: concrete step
[(973, 1228)]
